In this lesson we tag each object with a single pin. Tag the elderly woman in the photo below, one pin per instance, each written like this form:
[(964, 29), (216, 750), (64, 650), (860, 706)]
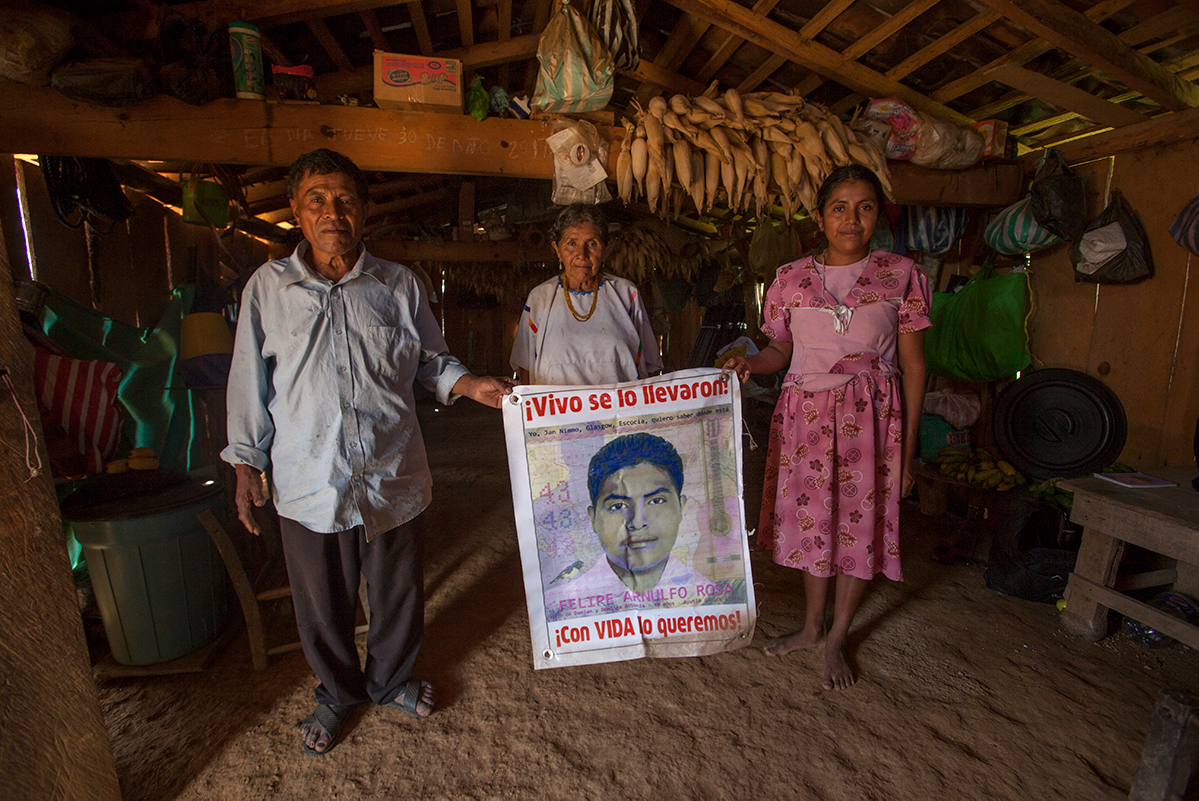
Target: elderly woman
[(584, 326)]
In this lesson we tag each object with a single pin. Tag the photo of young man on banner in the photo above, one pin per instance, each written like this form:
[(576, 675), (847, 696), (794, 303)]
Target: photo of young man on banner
[(629, 511)]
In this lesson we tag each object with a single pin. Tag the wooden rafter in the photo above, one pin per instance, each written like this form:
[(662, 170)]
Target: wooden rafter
[(504, 20), (1073, 71), (435, 197), (678, 45), (272, 51), (943, 44), (541, 15), (649, 73), (420, 27), (1163, 130), (374, 30), (872, 40), (1019, 56), (466, 23), (253, 132), (764, 71), (812, 55), (728, 44), (1074, 33), (1066, 97), (323, 35)]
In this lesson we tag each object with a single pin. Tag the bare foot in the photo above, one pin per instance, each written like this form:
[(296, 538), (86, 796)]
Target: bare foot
[(837, 673), (319, 731), (808, 637), (424, 701)]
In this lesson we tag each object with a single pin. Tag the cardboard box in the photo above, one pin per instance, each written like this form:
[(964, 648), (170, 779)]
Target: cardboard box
[(415, 83)]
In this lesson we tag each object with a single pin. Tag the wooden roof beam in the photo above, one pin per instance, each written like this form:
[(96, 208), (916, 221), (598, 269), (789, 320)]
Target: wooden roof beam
[(375, 30), (881, 33), (943, 44), (649, 73), (1066, 97), (230, 131), (323, 35), (728, 44), (466, 23), (682, 40), (504, 21), (812, 55), (541, 16), (1074, 71), (420, 27), (1074, 33), (1021, 55), (1164, 130), (764, 71)]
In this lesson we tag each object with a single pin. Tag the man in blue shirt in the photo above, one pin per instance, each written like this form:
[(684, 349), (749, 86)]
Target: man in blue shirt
[(329, 343)]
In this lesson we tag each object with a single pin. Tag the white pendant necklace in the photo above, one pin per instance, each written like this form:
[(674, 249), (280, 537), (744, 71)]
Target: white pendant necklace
[(841, 313)]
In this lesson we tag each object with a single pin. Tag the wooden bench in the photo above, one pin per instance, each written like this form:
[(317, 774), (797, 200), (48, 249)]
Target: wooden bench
[(1162, 520)]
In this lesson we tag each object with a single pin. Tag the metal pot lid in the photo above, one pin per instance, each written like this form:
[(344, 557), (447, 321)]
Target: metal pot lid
[(134, 494), (1059, 422)]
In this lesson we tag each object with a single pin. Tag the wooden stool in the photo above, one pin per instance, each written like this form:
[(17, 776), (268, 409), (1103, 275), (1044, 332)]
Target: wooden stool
[(250, 600)]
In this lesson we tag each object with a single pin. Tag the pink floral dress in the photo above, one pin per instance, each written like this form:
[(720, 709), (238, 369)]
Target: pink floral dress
[(830, 503)]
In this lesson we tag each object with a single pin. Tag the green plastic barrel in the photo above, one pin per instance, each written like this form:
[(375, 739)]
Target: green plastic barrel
[(159, 579)]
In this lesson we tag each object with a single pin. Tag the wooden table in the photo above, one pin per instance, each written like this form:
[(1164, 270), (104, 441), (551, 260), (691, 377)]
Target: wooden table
[(1165, 521)]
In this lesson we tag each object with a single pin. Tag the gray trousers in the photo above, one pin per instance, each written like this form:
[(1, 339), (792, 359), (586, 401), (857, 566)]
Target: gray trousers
[(323, 570)]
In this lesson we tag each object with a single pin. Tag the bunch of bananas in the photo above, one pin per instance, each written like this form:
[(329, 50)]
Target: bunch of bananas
[(977, 467), (139, 459)]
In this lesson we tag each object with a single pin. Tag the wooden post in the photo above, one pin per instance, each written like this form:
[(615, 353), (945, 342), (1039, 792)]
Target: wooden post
[(1170, 750), (55, 744)]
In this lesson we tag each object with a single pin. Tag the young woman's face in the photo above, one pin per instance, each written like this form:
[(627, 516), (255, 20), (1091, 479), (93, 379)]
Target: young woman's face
[(848, 220)]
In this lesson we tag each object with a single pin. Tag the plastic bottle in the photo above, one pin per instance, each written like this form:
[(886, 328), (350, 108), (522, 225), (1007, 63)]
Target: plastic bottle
[(1172, 603)]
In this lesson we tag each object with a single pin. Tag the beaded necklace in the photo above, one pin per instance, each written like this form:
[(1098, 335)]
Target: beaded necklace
[(582, 318)]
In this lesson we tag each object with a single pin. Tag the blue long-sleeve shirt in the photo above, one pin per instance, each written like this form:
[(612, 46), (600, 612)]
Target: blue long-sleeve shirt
[(320, 391)]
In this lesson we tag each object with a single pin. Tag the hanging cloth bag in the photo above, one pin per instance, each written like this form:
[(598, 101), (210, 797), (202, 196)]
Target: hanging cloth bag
[(1059, 198), (616, 23), (576, 68), (978, 332), (1114, 249), (1185, 228), (932, 229), (1015, 231)]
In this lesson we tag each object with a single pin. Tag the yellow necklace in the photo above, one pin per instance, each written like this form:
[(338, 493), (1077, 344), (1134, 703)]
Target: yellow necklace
[(582, 318)]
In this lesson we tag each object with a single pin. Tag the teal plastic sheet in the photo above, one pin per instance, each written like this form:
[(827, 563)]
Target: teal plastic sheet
[(157, 408)]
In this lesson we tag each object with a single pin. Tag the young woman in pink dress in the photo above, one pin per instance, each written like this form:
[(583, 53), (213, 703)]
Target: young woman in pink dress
[(849, 322)]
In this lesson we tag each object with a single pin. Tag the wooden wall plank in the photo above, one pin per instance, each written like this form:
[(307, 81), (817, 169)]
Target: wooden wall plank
[(149, 282), (59, 252), (1136, 327), (10, 220), (1063, 311)]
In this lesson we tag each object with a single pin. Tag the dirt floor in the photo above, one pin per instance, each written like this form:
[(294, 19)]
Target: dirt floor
[(962, 692)]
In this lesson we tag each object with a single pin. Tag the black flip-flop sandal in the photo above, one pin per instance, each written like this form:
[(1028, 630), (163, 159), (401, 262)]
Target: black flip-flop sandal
[(329, 718)]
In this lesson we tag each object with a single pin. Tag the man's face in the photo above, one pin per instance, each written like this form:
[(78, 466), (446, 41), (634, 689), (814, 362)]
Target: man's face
[(637, 515), (330, 213)]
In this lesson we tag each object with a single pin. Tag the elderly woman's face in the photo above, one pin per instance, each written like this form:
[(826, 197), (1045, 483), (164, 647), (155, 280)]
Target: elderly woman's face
[(580, 250)]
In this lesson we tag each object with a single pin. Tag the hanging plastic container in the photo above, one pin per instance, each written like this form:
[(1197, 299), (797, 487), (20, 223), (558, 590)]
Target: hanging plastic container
[(205, 203)]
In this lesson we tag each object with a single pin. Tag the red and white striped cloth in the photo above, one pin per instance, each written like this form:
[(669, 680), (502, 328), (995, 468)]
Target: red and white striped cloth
[(80, 396)]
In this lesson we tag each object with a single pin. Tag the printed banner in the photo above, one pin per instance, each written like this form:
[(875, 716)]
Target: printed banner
[(630, 518)]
